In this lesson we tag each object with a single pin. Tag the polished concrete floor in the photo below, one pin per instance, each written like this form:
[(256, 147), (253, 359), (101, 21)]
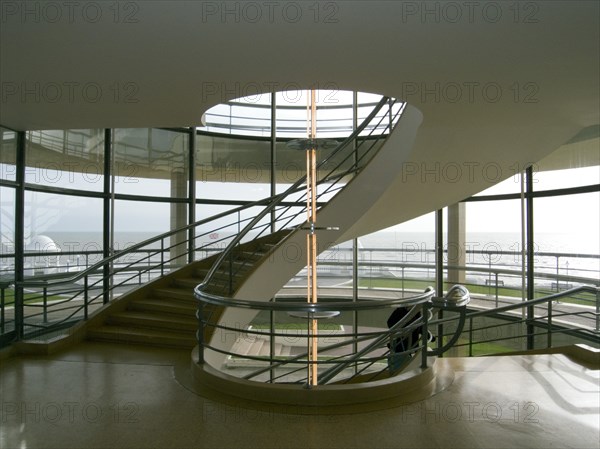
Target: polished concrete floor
[(98, 395)]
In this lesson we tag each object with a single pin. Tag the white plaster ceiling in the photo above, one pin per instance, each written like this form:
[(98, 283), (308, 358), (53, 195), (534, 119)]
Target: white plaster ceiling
[(179, 58)]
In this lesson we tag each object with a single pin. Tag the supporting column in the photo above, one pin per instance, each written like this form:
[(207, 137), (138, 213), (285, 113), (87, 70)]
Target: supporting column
[(107, 228), (456, 242), (530, 258), (177, 253), (311, 241), (273, 176), (19, 234), (192, 194), (355, 277), (439, 274)]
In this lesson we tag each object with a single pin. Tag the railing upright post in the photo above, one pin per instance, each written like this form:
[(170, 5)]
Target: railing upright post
[(2, 298), (496, 282), (271, 343), (424, 335), (162, 257), (557, 274), (231, 274), (45, 296), (598, 308), (200, 335), (85, 297), (390, 115), (471, 337), (403, 279), (549, 325)]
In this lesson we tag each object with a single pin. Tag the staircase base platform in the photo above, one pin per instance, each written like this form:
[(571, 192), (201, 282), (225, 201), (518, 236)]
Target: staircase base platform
[(413, 384)]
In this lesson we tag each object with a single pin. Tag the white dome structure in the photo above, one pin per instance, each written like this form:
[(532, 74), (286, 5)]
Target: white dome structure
[(42, 244)]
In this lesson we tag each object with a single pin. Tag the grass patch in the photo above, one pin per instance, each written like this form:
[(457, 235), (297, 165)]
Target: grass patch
[(461, 348), (410, 284), (28, 298), (300, 326)]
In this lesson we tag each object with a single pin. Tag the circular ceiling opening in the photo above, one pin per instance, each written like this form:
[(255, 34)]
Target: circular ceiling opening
[(338, 113)]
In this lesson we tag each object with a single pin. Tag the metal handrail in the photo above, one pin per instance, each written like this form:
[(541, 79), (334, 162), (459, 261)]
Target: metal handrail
[(299, 306), (277, 199), (120, 261), (137, 247), (449, 301), (455, 299), (522, 304), (395, 330)]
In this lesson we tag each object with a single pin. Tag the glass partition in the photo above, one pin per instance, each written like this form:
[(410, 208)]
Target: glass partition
[(8, 154), (69, 159), (151, 162)]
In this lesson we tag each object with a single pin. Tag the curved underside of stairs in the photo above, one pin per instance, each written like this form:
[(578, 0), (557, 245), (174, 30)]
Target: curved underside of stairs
[(340, 213), (163, 312)]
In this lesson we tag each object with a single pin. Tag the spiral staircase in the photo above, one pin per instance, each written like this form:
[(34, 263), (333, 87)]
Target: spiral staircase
[(352, 176)]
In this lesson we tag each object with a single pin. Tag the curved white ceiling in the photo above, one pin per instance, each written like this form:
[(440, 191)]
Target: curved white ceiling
[(504, 84)]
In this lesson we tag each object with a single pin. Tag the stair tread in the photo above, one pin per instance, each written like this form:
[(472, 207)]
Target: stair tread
[(165, 301), (189, 282), (137, 331), (176, 290), (165, 306), (151, 315)]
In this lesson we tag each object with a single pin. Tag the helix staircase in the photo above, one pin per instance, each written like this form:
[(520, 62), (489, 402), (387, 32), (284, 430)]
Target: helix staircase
[(228, 251)]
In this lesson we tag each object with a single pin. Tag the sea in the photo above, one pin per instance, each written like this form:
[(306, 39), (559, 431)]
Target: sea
[(562, 255)]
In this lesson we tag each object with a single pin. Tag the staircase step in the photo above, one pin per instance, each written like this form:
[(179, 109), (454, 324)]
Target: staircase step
[(249, 255), (256, 347), (164, 305), (285, 351), (174, 292), (125, 334), (266, 349), (153, 320), (188, 283)]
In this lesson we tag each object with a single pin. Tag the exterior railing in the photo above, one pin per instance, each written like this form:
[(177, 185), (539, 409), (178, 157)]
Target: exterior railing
[(373, 274), (250, 118)]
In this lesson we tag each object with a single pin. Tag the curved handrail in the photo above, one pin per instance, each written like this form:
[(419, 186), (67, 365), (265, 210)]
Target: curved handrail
[(455, 300), (157, 254), (303, 306), (339, 306), (527, 303), (277, 199), (274, 200), (134, 248)]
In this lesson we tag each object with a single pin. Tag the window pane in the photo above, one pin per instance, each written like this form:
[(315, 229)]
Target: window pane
[(559, 179), (567, 241), (399, 258), (230, 168), (8, 154), (68, 225), (492, 252), (7, 232), (151, 162), (71, 159)]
